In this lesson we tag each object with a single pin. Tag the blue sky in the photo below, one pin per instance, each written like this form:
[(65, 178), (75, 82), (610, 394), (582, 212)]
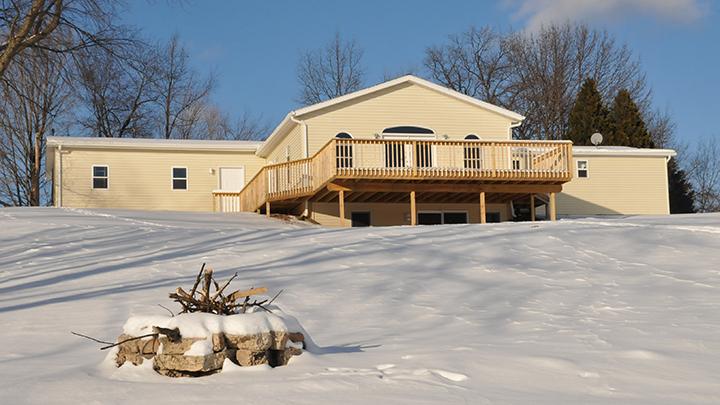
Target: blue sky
[(253, 47)]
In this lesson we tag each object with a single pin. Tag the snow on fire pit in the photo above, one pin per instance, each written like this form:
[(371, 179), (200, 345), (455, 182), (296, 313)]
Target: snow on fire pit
[(212, 327), (206, 340)]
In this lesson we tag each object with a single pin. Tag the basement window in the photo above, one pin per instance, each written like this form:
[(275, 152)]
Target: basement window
[(179, 178), (100, 177), (582, 168)]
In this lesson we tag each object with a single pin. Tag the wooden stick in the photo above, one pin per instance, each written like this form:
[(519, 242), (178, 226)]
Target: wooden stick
[(165, 308), (91, 338), (227, 283), (273, 298), (206, 289), (197, 280), (128, 340), (246, 293)]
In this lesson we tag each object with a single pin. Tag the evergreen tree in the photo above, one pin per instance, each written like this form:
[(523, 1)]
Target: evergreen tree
[(682, 195), (627, 127), (588, 114)]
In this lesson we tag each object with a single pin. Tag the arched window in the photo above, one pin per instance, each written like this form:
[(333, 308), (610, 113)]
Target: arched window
[(405, 129), (472, 154), (343, 151)]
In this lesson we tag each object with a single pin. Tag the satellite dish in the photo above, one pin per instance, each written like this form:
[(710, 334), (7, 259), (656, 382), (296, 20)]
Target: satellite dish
[(596, 138)]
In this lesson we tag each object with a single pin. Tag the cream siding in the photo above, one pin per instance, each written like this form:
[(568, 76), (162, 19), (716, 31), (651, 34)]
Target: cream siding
[(292, 143), (405, 104), (141, 179), (386, 214), (616, 185)]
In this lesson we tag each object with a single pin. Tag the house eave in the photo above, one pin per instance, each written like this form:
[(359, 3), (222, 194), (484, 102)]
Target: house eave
[(151, 144)]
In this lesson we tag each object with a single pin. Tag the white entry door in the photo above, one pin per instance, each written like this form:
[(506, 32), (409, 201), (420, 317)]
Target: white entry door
[(232, 178)]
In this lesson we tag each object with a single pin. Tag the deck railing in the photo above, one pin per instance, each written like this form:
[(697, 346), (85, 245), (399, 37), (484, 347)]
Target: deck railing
[(522, 160), (404, 159)]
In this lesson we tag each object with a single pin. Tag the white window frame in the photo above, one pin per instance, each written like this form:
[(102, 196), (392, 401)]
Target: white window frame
[(346, 159), (92, 177), (587, 168), (173, 178)]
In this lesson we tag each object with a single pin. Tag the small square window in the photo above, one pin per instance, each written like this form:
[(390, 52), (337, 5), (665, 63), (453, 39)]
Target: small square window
[(99, 177), (179, 178), (582, 168), (516, 164)]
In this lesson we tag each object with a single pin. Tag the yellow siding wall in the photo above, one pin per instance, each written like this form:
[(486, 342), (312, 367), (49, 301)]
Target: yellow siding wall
[(383, 214), (406, 104), (292, 143), (617, 185), (141, 179)]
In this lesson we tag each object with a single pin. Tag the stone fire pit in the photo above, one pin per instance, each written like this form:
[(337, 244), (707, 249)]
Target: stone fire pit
[(207, 340)]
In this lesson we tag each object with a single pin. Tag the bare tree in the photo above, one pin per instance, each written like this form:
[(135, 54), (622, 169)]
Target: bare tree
[(330, 72), (475, 63), (537, 74), (662, 129), (28, 24), (551, 65), (208, 121), (117, 91), (179, 90), (250, 127), (31, 107), (704, 171)]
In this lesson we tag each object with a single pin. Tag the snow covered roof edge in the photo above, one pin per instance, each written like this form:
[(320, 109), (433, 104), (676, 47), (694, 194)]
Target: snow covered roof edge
[(621, 151)]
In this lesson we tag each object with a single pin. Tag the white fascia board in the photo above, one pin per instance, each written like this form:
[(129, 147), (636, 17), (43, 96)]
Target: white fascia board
[(277, 135), (151, 144), (416, 80), (622, 151)]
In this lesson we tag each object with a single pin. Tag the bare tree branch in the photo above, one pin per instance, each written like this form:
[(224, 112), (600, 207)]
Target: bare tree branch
[(330, 72)]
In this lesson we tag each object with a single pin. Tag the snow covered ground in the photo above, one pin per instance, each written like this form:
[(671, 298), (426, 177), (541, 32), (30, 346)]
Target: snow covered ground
[(581, 311)]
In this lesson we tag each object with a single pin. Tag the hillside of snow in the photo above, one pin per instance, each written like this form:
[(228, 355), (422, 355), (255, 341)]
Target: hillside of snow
[(579, 311)]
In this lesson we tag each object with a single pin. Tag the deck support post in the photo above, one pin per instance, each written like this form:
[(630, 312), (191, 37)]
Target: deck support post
[(553, 212), (532, 207), (341, 201), (267, 208), (483, 209), (413, 209), (308, 209)]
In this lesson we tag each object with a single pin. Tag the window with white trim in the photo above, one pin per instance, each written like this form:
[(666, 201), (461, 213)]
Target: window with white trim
[(100, 176), (179, 178), (472, 154), (582, 168), (344, 151)]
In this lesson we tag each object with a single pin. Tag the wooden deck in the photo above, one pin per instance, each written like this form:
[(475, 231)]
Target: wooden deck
[(405, 166)]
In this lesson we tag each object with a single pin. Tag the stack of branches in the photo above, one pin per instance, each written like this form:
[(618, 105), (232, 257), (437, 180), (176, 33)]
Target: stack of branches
[(201, 298)]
